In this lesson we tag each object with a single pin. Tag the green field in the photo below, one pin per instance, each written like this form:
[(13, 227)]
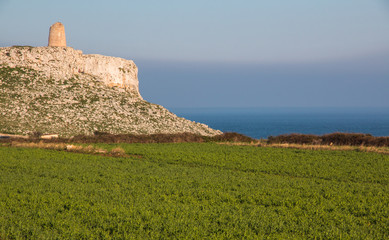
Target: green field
[(194, 191)]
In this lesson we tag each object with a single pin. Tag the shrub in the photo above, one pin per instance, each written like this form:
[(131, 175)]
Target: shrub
[(352, 139), (118, 151), (102, 137), (35, 135), (232, 137)]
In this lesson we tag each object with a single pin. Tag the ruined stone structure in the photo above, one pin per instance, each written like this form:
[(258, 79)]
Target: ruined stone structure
[(57, 36)]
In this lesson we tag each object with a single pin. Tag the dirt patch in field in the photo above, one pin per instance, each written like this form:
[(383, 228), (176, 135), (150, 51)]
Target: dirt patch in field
[(115, 152)]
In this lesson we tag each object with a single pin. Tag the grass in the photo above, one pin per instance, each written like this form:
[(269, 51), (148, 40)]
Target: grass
[(68, 147), (381, 150), (18, 46), (193, 191), (361, 148)]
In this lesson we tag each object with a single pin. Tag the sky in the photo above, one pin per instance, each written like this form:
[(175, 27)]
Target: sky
[(223, 53)]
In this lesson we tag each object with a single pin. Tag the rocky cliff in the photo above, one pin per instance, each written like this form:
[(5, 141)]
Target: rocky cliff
[(60, 90), (66, 62)]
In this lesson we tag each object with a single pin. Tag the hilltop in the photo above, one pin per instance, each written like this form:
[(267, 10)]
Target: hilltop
[(63, 91)]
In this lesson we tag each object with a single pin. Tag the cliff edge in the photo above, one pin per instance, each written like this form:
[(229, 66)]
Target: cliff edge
[(60, 90), (66, 62)]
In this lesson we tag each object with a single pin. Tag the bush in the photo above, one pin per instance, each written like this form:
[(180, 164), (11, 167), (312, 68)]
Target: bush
[(160, 138), (102, 137), (232, 137), (35, 135), (352, 139)]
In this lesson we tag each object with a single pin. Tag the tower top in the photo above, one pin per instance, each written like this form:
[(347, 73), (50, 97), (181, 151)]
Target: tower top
[(57, 36)]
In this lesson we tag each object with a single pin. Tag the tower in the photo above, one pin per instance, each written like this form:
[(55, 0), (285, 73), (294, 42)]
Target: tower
[(57, 36)]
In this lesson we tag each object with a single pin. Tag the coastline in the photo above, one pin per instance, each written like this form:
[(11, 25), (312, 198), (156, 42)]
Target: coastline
[(261, 123)]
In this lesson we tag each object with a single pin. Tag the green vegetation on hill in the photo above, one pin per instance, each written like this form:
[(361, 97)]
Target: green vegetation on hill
[(194, 191), (30, 102)]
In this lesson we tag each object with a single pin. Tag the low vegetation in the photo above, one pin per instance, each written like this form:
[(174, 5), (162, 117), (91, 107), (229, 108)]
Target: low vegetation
[(78, 105), (193, 191), (102, 137), (340, 139), (90, 149), (381, 150)]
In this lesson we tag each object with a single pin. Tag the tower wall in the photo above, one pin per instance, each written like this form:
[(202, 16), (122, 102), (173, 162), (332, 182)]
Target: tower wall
[(57, 36)]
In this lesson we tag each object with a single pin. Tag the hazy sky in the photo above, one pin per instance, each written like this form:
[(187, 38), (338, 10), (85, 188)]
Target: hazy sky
[(223, 53)]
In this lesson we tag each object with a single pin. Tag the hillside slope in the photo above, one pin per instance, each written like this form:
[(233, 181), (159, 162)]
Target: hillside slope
[(37, 97)]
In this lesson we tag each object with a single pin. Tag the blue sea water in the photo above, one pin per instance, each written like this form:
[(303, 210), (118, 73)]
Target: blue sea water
[(264, 122)]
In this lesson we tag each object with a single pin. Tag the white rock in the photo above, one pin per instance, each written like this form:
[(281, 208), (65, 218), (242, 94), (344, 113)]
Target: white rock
[(67, 63)]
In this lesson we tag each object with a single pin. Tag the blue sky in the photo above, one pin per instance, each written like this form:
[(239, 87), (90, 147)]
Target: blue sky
[(222, 53)]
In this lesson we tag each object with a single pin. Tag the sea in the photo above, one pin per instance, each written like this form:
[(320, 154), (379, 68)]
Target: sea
[(260, 123)]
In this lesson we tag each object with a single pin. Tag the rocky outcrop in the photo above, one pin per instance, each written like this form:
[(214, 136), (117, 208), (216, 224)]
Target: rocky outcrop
[(66, 63), (55, 90)]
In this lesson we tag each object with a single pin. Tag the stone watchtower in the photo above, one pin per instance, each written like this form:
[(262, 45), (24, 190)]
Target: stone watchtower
[(57, 36)]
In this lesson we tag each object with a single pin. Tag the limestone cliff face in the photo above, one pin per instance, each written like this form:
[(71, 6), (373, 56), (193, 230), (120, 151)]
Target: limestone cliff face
[(66, 63)]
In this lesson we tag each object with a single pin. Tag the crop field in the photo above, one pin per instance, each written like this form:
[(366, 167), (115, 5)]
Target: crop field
[(193, 191)]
